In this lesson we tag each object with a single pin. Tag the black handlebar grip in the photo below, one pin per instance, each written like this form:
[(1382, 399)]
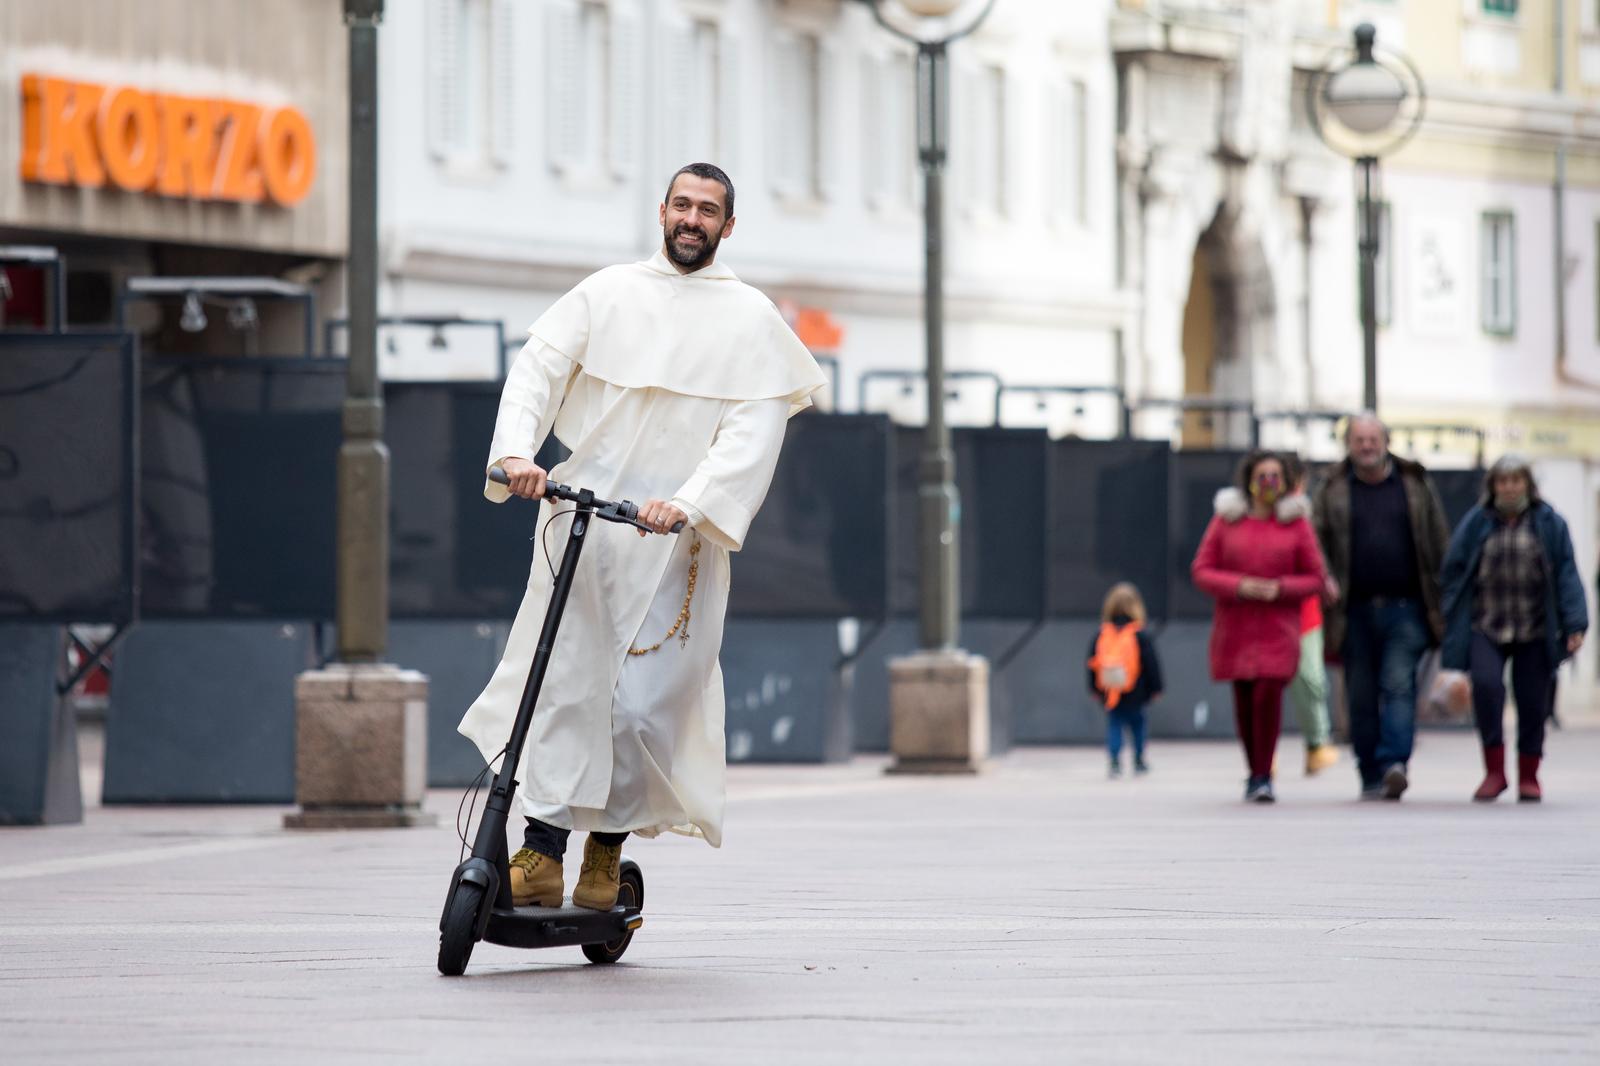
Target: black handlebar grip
[(677, 527), (498, 476)]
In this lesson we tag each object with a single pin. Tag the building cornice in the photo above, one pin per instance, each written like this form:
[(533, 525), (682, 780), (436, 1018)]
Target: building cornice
[(423, 256)]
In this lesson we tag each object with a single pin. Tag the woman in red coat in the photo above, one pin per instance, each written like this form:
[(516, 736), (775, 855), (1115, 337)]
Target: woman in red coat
[(1259, 570)]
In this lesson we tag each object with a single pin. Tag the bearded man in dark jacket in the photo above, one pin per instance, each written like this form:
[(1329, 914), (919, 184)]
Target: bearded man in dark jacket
[(1384, 534)]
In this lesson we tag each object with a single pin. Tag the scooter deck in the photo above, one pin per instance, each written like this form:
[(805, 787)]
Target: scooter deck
[(550, 927)]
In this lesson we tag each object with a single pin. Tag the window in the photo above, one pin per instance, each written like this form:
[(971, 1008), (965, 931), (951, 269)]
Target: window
[(1499, 273), (1597, 278), (705, 91), (1383, 267), (1067, 152), (698, 95), (989, 141), (592, 88), (1500, 7), (470, 89), (889, 129), (797, 110)]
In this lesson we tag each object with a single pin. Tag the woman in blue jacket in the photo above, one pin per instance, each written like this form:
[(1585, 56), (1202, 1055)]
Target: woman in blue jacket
[(1511, 592)]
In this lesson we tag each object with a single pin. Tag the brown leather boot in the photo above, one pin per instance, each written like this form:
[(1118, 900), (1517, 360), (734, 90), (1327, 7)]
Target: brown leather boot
[(535, 880), (601, 877), (1494, 774), (1528, 790)]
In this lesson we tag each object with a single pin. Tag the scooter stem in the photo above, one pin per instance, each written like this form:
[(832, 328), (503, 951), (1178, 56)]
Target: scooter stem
[(497, 810)]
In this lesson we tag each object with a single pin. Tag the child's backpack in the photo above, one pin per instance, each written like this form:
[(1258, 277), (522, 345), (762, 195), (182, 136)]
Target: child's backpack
[(1116, 661)]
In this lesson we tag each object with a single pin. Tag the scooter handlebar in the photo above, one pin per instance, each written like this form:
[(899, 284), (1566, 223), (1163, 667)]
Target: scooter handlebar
[(624, 511)]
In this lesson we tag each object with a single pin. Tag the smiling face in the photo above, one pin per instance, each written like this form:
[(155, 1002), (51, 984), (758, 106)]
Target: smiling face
[(694, 220)]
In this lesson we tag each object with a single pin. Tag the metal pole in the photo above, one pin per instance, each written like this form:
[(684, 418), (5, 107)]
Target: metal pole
[(940, 504), (1369, 281), (363, 564)]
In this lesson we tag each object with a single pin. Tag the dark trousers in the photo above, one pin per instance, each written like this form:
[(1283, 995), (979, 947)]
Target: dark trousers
[(1382, 646), (1258, 712), (551, 840), (1129, 717), (1531, 679)]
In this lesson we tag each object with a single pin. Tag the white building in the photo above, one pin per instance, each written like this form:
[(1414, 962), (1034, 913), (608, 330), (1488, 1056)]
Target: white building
[(1136, 198), (1241, 227), (526, 144)]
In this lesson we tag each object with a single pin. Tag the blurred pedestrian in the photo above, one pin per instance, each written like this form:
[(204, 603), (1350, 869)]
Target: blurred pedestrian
[(1383, 531), (1512, 594), (1308, 692), (1124, 673), (1259, 569)]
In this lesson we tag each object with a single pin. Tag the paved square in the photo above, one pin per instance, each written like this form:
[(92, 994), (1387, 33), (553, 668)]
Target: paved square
[(1037, 913)]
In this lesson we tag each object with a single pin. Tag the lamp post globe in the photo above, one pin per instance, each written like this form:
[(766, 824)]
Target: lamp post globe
[(1365, 96), (1368, 97)]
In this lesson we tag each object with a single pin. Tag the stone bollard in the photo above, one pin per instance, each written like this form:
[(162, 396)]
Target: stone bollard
[(938, 712), (361, 748)]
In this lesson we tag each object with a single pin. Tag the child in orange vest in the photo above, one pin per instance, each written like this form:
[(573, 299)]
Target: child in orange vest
[(1124, 673)]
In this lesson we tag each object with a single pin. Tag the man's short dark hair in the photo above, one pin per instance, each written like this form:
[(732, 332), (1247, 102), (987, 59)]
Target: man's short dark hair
[(711, 172)]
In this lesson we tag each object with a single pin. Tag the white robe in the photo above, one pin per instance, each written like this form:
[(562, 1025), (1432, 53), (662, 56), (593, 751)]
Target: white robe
[(664, 386)]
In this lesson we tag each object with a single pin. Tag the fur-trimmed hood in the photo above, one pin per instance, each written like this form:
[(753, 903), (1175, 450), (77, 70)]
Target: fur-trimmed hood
[(1232, 504)]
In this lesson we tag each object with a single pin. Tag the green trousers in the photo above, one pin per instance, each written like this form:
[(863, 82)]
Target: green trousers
[(1308, 692)]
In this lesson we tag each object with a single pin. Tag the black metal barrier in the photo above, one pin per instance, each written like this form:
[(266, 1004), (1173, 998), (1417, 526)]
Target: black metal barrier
[(68, 477), (1000, 474), (819, 545), (240, 502), (239, 487), (1459, 491), (1108, 507), (239, 508)]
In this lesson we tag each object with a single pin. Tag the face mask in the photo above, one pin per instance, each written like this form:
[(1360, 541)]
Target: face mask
[(1511, 506), (1266, 489)]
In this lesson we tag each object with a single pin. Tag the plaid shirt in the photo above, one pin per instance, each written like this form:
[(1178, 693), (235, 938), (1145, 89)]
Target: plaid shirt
[(1511, 585)]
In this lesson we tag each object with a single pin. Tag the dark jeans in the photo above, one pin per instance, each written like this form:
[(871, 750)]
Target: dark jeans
[(1258, 712), (1133, 720), (1384, 642), (551, 840), (1531, 680)]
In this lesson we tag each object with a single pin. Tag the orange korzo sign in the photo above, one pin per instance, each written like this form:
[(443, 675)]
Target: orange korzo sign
[(82, 134)]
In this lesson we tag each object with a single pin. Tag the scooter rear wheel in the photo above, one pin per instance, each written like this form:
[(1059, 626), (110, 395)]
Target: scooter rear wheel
[(459, 931), (630, 893)]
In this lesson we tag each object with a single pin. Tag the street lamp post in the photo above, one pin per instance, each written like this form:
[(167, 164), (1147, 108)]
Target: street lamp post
[(361, 737), (939, 713), (939, 568), (1375, 102), (363, 479)]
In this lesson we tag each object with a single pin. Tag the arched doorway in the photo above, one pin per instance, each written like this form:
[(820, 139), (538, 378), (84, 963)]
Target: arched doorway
[(1228, 327)]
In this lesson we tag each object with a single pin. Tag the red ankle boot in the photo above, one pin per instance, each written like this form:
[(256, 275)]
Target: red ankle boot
[(1494, 774), (1528, 790)]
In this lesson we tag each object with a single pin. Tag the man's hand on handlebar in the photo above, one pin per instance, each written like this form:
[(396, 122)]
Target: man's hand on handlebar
[(524, 479), (661, 516)]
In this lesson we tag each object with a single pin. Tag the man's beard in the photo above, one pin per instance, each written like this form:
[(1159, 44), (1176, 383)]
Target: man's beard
[(691, 256)]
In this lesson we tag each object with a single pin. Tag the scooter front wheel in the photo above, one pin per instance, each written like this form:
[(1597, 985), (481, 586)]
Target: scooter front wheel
[(458, 932)]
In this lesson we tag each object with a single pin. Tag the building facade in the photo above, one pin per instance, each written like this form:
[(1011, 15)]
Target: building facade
[(1240, 229), (528, 144), (174, 139)]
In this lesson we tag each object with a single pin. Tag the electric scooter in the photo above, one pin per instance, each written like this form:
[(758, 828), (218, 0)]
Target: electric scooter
[(479, 905)]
